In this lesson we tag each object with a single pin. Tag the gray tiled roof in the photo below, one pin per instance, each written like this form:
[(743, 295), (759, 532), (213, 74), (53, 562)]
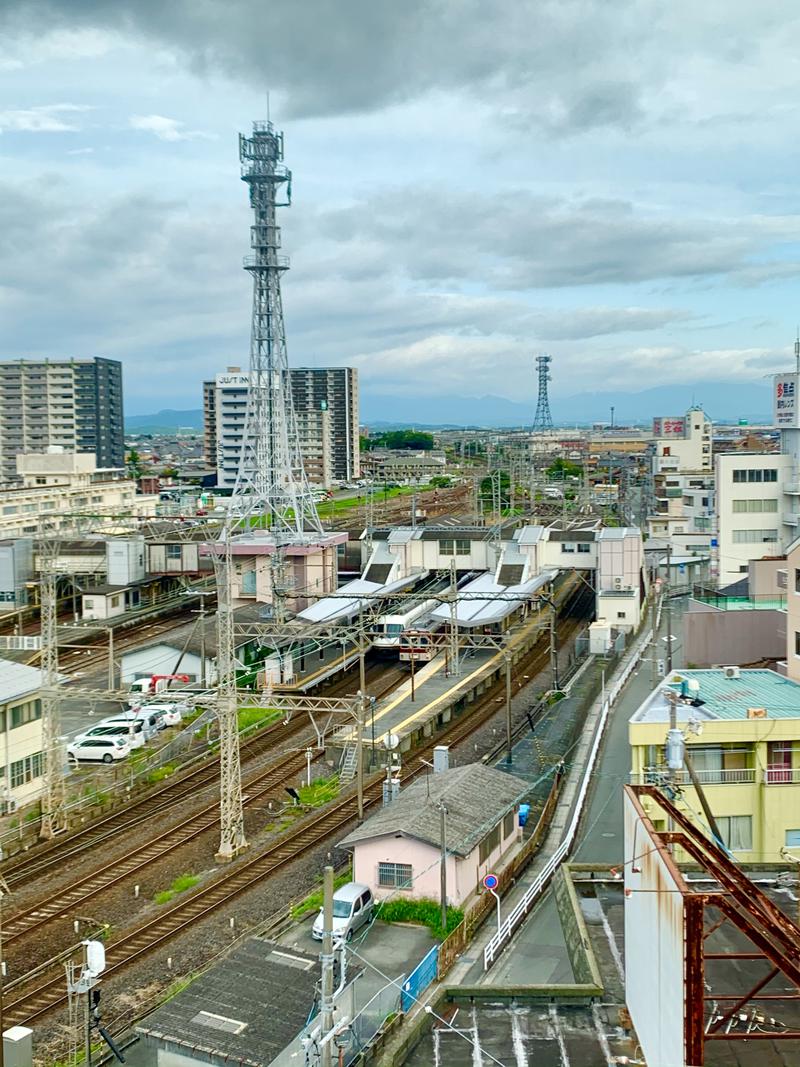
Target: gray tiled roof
[(268, 988), (476, 797)]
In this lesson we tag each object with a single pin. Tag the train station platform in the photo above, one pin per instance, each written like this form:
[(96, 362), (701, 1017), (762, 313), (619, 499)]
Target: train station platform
[(418, 708)]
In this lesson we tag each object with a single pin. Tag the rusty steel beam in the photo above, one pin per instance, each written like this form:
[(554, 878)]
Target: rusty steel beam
[(758, 996), (755, 1035), (693, 982), (743, 1000), (713, 929), (734, 956)]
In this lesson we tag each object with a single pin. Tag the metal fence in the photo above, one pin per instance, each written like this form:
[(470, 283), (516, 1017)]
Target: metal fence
[(420, 978), (518, 913)]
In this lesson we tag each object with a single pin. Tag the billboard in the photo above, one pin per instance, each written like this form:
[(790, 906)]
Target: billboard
[(654, 942), (784, 399), (669, 427)]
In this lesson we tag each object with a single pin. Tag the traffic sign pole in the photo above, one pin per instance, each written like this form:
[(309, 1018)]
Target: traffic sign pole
[(490, 882)]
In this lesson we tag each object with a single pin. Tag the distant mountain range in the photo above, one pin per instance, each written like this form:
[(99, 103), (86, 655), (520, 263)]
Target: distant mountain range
[(721, 400)]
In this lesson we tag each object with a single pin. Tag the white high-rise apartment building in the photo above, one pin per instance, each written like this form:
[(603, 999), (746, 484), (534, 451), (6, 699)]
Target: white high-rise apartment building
[(326, 406)]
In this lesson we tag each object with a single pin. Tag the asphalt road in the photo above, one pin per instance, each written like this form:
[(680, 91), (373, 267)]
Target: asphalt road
[(600, 834)]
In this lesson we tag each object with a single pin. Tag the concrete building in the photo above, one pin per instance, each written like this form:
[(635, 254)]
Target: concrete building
[(742, 731), (335, 390), (683, 443), (16, 571), (402, 465), (75, 404), (326, 406), (21, 732), (749, 505), (397, 851), (56, 484)]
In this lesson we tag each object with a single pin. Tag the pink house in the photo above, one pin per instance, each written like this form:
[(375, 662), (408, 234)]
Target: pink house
[(399, 849)]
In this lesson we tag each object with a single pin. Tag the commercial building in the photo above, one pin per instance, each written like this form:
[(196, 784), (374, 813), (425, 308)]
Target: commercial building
[(683, 443), (326, 406), (21, 735), (74, 404), (742, 733), (749, 505), (56, 484)]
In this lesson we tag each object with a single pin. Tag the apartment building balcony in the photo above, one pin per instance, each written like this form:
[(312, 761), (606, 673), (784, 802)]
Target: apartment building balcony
[(782, 776), (730, 776), (792, 488)]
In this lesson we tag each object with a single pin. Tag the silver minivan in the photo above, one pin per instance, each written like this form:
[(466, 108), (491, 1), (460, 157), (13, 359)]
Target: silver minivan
[(353, 905)]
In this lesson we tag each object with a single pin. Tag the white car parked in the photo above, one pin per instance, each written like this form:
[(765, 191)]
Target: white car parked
[(165, 714), (129, 731), (99, 749)]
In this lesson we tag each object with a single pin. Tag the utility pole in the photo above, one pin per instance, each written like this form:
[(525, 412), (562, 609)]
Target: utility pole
[(553, 645), (4, 891), (668, 607), (361, 712), (453, 653), (443, 864), (509, 746), (653, 617), (54, 815), (326, 1006), (111, 659)]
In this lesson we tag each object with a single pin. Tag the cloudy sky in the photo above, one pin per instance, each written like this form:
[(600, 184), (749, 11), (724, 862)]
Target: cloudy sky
[(611, 181)]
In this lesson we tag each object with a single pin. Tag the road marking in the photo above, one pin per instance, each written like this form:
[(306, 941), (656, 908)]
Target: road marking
[(517, 1040), (555, 1023), (477, 1053), (612, 944)]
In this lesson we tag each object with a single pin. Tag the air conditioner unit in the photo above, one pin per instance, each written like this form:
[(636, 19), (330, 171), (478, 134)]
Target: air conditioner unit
[(617, 583), (9, 805), (731, 672)]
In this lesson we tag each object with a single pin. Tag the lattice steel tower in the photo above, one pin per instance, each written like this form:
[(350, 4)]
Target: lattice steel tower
[(271, 478), (543, 420)]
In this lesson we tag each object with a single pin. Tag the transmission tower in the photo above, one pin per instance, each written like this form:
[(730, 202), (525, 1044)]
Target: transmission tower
[(271, 479), (231, 813), (54, 815), (543, 420)]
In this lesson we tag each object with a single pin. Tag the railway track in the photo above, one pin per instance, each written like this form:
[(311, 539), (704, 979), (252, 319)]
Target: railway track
[(39, 999), (161, 801)]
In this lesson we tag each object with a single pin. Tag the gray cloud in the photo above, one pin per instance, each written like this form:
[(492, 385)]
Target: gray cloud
[(560, 65)]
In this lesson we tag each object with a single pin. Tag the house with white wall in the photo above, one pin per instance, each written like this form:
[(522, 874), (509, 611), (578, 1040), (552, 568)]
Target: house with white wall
[(21, 758), (397, 852)]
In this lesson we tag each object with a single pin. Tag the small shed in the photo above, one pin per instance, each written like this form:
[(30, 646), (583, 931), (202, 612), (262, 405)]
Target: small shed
[(250, 1008), (398, 849)]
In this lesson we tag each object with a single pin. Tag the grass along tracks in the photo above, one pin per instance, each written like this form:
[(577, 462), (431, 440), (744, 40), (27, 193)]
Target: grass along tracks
[(32, 1001)]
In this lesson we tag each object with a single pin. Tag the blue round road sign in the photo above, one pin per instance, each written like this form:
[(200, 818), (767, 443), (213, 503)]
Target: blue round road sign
[(490, 881)]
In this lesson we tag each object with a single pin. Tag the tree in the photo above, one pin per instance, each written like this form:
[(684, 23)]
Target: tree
[(562, 468), (415, 439), (134, 464), (487, 493)]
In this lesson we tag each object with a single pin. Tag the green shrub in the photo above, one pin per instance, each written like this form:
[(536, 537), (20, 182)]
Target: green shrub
[(180, 885), (423, 912), (160, 773), (260, 716), (319, 792)]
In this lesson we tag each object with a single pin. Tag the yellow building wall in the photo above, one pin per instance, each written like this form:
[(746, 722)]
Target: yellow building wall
[(774, 808)]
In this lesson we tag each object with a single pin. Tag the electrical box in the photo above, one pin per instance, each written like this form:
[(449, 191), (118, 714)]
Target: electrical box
[(18, 1047)]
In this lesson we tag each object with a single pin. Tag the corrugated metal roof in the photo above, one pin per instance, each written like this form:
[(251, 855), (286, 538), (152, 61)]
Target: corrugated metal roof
[(17, 680), (483, 601), (726, 698)]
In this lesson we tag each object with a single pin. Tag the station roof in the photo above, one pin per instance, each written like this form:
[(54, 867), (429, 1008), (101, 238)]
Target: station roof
[(476, 797), (725, 698), (353, 597), (17, 680), (483, 601)]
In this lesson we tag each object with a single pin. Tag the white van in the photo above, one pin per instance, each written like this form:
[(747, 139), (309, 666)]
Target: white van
[(166, 714), (130, 731), (353, 905)]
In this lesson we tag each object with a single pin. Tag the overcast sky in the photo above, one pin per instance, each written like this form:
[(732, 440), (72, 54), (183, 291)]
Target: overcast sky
[(611, 181)]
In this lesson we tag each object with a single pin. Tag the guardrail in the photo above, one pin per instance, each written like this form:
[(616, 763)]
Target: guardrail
[(509, 924)]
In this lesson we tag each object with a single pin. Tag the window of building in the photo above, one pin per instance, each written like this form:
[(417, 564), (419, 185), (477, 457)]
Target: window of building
[(792, 838), (620, 614), (756, 474), (750, 506), (489, 844), (797, 579), (173, 551), (754, 537), (21, 714), (25, 770), (737, 832), (567, 546), (395, 875), (584, 547), (508, 824), (462, 546)]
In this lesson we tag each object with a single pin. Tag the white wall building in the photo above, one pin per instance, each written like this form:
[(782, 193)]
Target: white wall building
[(682, 443), (55, 484), (21, 759), (749, 506)]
